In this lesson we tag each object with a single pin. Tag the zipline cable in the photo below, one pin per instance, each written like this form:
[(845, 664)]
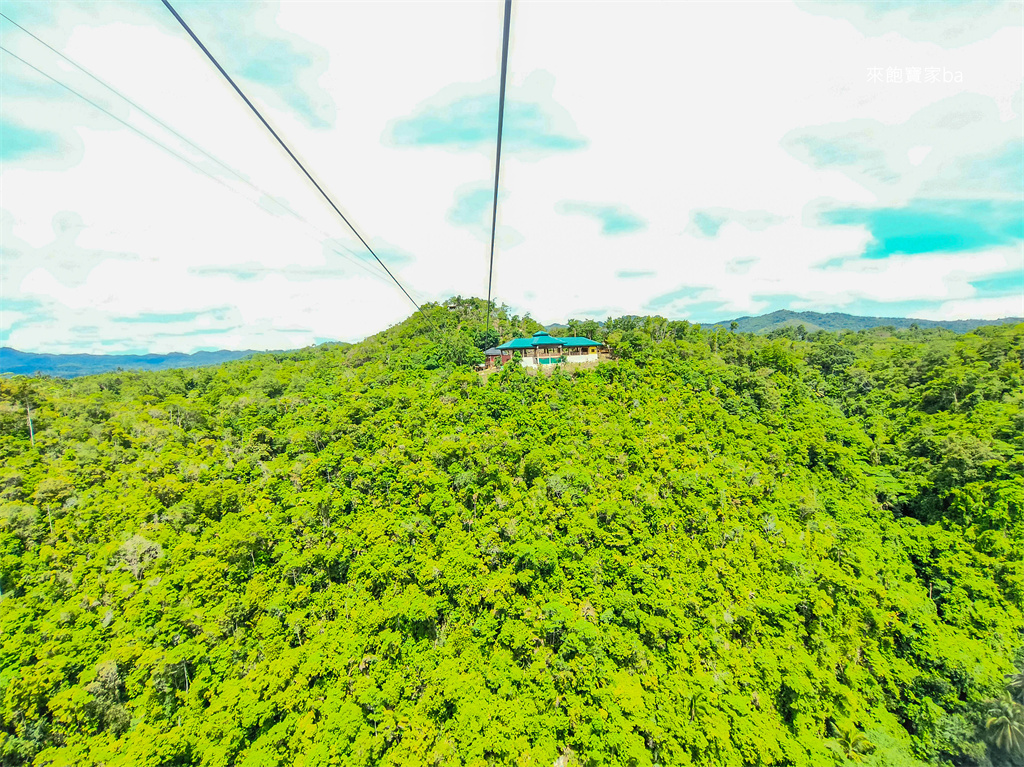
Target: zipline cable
[(291, 154), (111, 88), (357, 262), (237, 174), (242, 177), (497, 154), (110, 114)]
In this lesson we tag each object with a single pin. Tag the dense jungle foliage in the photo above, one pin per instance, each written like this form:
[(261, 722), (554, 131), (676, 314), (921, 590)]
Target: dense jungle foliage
[(717, 549)]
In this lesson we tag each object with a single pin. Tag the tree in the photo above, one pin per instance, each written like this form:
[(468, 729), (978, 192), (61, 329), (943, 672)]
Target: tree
[(631, 344), (830, 357), (457, 349), (1015, 684), (18, 399), (1005, 726), (529, 325), (679, 328), (855, 744), (137, 553), (50, 492), (485, 338), (18, 519), (106, 698), (657, 328)]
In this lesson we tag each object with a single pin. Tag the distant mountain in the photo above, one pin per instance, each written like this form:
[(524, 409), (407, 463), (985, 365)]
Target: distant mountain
[(833, 321), (72, 365), (13, 361)]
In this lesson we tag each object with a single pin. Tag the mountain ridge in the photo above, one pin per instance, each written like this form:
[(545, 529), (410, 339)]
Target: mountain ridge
[(16, 362), (833, 321)]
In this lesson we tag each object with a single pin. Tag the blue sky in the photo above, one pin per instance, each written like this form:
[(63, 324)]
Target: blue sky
[(835, 156), (469, 121), (613, 219), (935, 226), (17, 141)]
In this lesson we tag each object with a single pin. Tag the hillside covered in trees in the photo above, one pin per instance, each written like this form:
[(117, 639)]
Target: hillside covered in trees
[(838, 321), (718, 549)]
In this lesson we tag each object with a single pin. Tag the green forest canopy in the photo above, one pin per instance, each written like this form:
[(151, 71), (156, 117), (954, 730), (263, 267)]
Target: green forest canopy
[(718, 549)]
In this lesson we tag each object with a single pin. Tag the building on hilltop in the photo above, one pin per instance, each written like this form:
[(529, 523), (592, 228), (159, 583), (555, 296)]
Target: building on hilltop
[(544, 349)]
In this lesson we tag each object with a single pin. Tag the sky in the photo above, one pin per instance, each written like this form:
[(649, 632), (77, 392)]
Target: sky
[(697, 160)]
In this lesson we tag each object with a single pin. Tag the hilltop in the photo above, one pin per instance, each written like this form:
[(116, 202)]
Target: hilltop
[(832, 321), (835, 321), (16, 362), (718, 549)]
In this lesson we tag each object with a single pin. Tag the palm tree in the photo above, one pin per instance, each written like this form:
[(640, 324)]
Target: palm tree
[(1005, 725), (855, 744), (698, 705), (1015, 684)]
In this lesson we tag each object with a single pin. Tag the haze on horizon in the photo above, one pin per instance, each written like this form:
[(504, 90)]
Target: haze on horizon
[(700, 161)]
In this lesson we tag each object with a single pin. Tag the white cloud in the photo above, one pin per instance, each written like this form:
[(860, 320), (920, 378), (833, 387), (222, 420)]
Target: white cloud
[(949, 23), (982, 308), (931, 153), (689, 115)]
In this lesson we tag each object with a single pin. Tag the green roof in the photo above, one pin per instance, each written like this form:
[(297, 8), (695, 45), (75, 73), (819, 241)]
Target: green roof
[(518, 343), (540, 338), (543, 338)]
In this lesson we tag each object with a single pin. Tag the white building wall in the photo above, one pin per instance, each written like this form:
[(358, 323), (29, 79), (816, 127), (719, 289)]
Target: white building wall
[(531, 362), (581, 357)]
